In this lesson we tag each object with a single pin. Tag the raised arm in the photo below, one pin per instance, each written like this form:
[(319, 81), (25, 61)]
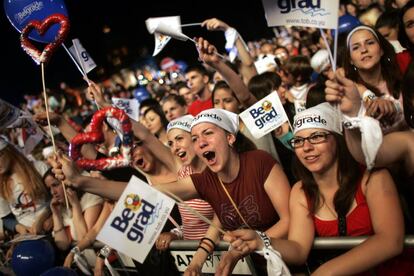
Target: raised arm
[(386, 242), (246, 59), (66, 170), (208, 55)]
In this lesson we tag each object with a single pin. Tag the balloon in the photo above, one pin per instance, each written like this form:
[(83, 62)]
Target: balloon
[(182, 65), (95, 135), (42, 27), (20, 12), (59, 271), (32, 257), (141, 94), (346, 23)]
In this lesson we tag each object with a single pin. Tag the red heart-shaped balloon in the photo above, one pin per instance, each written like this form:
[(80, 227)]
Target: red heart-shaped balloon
[(42, 27), (95, 136)]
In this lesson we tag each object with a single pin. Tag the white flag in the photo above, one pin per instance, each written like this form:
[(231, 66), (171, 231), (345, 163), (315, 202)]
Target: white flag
[(130, 106), (137, 220), (264, 116), (161, 39), (81, 56)]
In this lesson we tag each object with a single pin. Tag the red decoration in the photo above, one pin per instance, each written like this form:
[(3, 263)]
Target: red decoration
[(96, 136), (41, 27)]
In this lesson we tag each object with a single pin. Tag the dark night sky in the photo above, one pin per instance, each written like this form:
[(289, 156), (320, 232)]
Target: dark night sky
[(127, 21)]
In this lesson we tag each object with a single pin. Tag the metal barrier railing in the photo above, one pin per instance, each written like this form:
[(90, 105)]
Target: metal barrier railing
[(319, 243)]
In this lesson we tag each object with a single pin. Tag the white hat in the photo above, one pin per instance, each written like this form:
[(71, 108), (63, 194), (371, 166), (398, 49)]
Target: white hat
[(184, 123), (323, 116), (41, 167), (225, 119), (320, 61)]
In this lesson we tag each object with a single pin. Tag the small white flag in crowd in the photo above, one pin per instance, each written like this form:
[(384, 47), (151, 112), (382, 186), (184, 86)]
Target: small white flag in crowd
[(29, 132), (137, 220), (81, 56), (130, 106), (161, 40), (264, 116)]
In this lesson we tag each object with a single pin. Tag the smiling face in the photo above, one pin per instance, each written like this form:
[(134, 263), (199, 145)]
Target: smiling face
[(181, 145), (153, 122), (224, 99), (317, 158), (365, 50), (211, 144)]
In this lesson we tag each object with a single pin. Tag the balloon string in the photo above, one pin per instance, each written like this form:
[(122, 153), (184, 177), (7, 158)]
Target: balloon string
[(50, 126)]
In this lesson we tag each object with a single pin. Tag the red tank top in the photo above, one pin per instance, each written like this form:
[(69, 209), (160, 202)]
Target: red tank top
[(358, 221)]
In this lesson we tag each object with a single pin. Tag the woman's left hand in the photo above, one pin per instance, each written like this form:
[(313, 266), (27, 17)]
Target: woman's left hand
[(228, 261), (164, 240), (381, 109), (207, 52)]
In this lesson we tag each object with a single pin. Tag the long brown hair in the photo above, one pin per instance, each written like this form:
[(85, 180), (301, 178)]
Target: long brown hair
[(31, 180), (349, 173), (390, 71)]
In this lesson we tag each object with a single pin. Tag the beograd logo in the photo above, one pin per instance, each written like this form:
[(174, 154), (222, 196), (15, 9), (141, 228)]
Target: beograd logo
[(263, 114), (312, 119), (287, 6), (135, 208)]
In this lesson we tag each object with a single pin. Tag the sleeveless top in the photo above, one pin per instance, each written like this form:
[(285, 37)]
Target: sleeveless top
[(358, 223)]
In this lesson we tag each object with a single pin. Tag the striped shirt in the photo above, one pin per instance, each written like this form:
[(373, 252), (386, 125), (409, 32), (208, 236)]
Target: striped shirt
[(193, 227)]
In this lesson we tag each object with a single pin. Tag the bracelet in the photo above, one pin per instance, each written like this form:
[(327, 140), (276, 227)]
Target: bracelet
[(368, 95), (209, 246), (210, 240), (265, 239), (59, 230), (75, 250), (200, 246), (104, 252)]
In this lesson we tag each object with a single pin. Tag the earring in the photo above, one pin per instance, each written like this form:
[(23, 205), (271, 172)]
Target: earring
[(355, 69), (388, 59)]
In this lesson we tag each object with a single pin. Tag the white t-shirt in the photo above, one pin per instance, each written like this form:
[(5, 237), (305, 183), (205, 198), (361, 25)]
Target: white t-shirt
[(87, 200), (22, 205)]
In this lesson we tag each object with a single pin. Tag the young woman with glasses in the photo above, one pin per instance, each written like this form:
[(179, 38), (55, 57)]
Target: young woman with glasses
[(337, 197)]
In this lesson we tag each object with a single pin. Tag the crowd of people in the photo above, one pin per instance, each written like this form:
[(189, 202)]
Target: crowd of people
[(349, 172)]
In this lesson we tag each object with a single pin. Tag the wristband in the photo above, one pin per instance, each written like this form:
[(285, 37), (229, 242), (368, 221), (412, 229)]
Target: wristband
[(265, 239), (75, 250), (104, 252), (368, 95), (57, 231), (200, 246)]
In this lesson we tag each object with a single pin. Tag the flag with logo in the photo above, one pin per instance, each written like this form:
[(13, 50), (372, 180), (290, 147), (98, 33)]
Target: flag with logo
[(29, 132), (130, 106), (81, 56), (308, 13), (161, 40), (137, 220), (264, 116)]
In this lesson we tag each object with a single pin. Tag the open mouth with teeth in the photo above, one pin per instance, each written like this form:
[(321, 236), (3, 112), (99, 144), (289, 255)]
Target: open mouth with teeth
[(182, 154), (210, 156)]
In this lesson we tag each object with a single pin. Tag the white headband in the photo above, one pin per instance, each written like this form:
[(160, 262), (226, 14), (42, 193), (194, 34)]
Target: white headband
[(323, 116), (348, 38), (225, 119), (183, 123)]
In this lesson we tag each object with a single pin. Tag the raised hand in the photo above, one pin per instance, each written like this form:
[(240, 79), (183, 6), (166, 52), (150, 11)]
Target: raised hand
[(95, 92), (345, 92), (214, 24), (207, 52), (65, 169), (41, 118)]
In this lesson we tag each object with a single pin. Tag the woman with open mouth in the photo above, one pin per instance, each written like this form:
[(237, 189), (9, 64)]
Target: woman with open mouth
[(245, 188)]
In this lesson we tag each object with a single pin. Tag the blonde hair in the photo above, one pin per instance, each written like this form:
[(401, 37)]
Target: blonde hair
[(31, 180)]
